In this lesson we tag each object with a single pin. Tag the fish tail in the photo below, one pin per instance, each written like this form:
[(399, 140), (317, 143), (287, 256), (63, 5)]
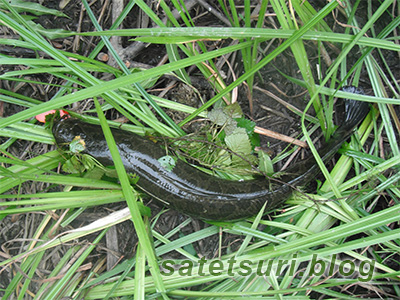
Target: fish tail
[(355, 111)]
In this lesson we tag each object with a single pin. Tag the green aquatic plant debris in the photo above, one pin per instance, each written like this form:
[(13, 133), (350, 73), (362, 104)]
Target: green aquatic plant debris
[(167, 162)]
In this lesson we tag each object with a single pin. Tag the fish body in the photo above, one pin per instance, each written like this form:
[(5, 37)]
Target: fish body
[(193, 192)]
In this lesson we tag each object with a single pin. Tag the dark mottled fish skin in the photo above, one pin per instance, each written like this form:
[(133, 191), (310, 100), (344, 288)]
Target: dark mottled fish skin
[(193, 192)]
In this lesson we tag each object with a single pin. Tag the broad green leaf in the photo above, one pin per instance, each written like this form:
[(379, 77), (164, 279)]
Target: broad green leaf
[(239, 143), (265, 163)]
